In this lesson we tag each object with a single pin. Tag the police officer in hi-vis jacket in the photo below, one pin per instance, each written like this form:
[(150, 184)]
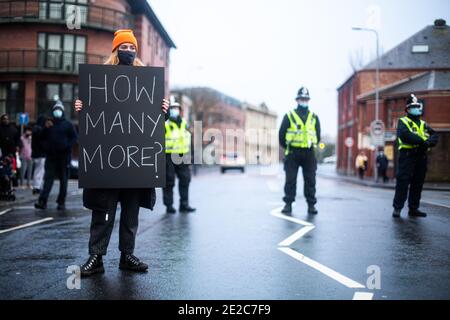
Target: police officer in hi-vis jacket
[(299, 135), (415, 138)]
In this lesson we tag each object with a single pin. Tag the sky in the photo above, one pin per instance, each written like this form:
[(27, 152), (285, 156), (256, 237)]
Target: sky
[(265, 50)]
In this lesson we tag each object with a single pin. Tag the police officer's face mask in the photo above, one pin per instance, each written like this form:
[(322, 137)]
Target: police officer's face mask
[(303, 104), (126, 57), (174, 113), (415, 111)]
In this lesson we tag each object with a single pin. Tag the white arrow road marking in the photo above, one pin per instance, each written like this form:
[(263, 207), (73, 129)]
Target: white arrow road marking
[(5, 211), (363, 296), (26, 225), (307, 227), (320, 267)]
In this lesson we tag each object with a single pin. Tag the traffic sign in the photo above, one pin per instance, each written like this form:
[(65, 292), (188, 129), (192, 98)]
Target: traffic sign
[(377, 133), (349, 142), (24, 119), (377, 128)]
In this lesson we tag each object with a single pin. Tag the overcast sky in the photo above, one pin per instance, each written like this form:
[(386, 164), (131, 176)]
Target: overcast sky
[(264, 50)]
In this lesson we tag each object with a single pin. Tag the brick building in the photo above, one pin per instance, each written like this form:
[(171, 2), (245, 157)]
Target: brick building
[(420, 65), (39, 53), (215, 110)]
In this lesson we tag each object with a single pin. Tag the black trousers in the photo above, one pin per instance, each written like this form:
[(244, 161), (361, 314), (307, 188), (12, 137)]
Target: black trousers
[(183, 172), (55, 168), (102, 224), (306, 159), (412, 168)]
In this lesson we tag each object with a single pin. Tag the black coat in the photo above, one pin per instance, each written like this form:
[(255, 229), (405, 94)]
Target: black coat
[(285, 124), (59, 139), (9, 139), (105, 199), (37, 146)]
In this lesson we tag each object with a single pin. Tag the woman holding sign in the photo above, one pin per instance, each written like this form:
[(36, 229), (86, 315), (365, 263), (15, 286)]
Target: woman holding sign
[(103, 202)]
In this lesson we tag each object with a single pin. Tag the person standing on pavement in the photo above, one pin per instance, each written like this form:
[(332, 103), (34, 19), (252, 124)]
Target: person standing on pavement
[(9, 137), (361, 164), (382, 165), (25, 158), (103, 202), (58, 138), (415, 138), (299, 135), (178, 147), (38, 154)]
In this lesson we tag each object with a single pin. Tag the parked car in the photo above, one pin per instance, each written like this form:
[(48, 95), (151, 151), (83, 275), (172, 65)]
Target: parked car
[(232, 161), (331, 159)]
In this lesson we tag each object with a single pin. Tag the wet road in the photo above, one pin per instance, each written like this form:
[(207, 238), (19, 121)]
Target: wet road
[(238, 246)]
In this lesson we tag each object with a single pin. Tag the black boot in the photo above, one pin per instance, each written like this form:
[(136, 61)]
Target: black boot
[(416, 213), (396, 213), (312, 209), (130, 262), (40, 205), (92, 266), (171, 210), (187, 209), (61, 207), (287, 208)]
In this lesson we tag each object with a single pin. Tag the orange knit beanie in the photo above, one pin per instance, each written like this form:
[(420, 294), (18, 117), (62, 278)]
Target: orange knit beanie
[(123, 36)]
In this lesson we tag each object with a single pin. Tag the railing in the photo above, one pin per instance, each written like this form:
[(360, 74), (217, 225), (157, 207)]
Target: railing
[(49, 61), (47, 11)]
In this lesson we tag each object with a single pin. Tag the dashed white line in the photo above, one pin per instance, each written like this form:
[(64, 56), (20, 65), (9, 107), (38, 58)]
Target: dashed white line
[(363, 296), (320, 267), (26, 225), (5, 211)]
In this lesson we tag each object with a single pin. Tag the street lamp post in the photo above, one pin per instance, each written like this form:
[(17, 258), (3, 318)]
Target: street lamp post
[(377, 85)]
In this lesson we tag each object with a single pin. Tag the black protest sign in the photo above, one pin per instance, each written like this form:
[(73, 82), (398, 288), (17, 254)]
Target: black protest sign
[(121, 127)]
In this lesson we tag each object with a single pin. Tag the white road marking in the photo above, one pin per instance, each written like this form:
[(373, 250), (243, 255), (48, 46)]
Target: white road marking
[(300, 233), (320, 267), (435, 204), (24, 208), (277, 213), (5, 211), (363, 296), (26, 225)]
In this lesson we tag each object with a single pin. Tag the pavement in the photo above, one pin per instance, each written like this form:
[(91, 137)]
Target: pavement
[(330, 172), (239, 246)]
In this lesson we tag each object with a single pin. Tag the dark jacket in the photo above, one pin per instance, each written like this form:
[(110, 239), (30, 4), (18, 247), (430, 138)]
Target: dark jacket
[(105, 199), (9, 139), (382, 161), (411, 138), (285, 124), (37, 147), (59, 139)]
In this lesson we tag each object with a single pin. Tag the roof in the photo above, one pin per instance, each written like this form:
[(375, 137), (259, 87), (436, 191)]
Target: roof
[(425, 81), (143, 7), (437, 38)]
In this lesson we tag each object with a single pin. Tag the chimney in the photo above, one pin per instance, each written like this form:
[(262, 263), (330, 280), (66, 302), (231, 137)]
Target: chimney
[(440, 23)]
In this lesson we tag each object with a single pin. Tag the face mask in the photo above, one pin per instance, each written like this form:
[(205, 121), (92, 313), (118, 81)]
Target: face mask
[(126, 57), (174, 113), (57, 113), (415, 111), (303, 104)]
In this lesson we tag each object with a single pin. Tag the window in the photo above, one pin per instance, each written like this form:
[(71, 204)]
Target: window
[(61, 51), (49, 93), (12, 98), (62, 9)]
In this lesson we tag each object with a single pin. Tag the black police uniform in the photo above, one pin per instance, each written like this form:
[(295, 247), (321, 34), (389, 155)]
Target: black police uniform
[(299, 157), (412, 165)]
